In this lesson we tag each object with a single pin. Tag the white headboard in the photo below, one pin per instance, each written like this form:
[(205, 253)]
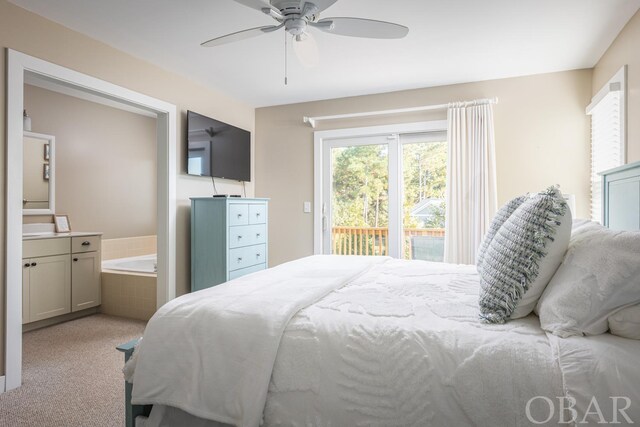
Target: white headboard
[(621, 197)]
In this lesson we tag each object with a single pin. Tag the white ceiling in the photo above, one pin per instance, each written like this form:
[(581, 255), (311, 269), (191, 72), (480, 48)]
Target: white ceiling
[(450, 41)]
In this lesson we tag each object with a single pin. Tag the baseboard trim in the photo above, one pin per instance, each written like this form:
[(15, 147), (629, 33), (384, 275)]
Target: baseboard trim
[(59, 319), (2, 384)]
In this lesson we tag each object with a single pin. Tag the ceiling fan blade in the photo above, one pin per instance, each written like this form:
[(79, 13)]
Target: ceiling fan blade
[(257, 4), (358, 27), (306, 50), (241, 35), (320, 4)]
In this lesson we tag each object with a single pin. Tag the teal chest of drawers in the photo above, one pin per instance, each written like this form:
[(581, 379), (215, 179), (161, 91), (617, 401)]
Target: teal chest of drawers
[(229, 239)]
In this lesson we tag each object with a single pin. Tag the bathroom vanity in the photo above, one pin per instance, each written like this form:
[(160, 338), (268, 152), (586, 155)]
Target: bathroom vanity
[(60, 271), (60, 275)]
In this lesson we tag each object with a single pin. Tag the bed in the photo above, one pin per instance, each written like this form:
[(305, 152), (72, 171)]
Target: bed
[(349, 341)]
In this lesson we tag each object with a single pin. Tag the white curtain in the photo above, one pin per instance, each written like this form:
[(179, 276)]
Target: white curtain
[(471, 180)]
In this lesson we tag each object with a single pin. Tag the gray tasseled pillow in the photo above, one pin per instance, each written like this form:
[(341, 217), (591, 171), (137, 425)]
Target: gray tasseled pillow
[(523, 256), (501, 216)]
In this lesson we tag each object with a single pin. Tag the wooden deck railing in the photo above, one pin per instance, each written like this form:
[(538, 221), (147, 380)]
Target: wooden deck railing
[(372, 240)]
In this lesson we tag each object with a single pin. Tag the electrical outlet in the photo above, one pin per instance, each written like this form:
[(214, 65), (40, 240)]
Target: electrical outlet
[(306, 207)]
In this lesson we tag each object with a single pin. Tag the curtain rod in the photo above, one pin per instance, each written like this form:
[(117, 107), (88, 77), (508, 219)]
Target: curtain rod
[(313, 121)]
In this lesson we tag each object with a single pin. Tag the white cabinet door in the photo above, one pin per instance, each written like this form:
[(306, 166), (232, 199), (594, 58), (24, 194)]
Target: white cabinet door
[(85, 280), (49, 287)]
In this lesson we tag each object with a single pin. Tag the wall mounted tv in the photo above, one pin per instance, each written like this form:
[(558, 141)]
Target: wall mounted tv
[(217, 149)]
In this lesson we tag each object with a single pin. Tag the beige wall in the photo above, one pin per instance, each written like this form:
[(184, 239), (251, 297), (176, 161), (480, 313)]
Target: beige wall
[(542, 138), (625, 50), (36, 36), (105, 164)]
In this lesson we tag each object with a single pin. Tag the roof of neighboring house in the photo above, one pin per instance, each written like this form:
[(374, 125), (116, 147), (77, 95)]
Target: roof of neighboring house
[(424, 208)]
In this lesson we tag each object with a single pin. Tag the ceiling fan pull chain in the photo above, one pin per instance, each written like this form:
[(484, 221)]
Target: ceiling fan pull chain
[(286, 70)]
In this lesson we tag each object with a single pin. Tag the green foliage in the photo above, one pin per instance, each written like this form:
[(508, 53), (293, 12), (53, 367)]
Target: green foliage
[(425, 177), (361, 184)]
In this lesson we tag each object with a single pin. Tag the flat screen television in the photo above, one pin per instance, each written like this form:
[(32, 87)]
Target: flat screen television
[(217, 149)]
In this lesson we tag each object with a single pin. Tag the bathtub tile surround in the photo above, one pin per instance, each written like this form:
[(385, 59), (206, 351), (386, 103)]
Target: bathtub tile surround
[(128, 295), (129, 247), (128, 290)]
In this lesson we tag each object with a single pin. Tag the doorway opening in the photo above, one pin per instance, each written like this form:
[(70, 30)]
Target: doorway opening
[(19, 68)]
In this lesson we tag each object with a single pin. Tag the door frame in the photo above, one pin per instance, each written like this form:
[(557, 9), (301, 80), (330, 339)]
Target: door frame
[(17, 65), (321, 139)]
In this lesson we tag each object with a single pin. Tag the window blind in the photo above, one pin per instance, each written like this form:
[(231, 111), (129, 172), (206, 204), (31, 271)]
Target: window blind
[(607, 144)]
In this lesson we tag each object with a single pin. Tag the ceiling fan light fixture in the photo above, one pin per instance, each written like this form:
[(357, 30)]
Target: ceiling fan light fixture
[(306, 50), (295, 26)]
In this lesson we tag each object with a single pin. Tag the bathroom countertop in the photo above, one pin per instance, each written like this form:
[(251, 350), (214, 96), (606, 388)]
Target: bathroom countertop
[(58, 235)]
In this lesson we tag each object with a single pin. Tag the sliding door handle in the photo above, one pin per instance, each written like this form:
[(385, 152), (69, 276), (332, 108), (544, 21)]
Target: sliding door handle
[(324, 217)]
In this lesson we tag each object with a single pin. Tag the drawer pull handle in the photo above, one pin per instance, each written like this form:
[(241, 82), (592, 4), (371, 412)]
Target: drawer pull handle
[(257, 234), (86, 243), (257, 255), (239, 259), (75, 259), (239, 237), (239, 215), (33, 264), (27, 265), (257, 213)]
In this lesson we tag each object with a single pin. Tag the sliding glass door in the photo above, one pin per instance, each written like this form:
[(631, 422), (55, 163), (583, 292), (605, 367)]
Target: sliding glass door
[(358, 185), (424, 180), (384, 195), (357, 213)]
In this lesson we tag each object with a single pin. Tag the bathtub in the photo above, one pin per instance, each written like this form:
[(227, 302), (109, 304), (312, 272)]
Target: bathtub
[(129, 287), (138, 264)]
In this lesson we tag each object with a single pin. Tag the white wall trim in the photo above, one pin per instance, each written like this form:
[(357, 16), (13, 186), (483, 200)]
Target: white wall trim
[(17, 65), (321, 138), (617, 83), (54, 86)]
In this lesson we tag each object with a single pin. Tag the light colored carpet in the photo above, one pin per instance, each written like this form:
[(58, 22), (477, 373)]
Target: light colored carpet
[(71, 375)]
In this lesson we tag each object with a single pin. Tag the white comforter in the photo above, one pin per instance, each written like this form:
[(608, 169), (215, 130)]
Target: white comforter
[(395, 343), (211, 353)]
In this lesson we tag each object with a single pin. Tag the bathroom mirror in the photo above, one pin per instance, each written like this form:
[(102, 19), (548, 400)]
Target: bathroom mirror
[(38, 173)]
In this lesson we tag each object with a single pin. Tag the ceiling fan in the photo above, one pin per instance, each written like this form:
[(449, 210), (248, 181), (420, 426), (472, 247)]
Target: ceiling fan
[(297, 16)]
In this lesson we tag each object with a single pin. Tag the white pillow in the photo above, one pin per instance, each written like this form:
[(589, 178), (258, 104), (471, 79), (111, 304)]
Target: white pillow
[(626, 322), (523, 256), (579, 223), (599, 275), (547, 267)]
